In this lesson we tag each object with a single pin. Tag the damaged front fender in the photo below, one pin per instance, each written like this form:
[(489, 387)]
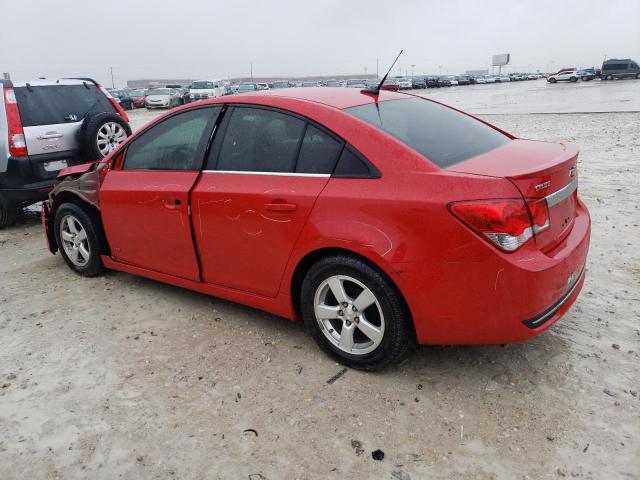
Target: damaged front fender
[(80, 182)]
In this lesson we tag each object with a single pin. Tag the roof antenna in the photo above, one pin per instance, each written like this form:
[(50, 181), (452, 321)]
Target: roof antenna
[(376, 90)]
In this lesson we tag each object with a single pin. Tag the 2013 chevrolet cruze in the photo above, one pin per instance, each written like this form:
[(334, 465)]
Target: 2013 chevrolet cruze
[(379, 219)]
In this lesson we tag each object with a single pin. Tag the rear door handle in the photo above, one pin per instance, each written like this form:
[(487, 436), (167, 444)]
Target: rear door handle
[(281, 207), (49, 136), (170, 203)]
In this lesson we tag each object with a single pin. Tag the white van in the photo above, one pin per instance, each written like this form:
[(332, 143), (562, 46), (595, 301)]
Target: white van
[(203, 89)]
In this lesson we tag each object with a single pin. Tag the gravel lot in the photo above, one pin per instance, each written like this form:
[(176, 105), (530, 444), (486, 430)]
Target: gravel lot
[(123, 377)]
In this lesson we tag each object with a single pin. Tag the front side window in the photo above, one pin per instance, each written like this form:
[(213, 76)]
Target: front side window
[(260, 140), (441, 134), (177, 143)]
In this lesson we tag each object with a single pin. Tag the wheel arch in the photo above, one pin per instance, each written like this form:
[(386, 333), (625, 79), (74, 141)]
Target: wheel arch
[(68, 196), (310, 258)]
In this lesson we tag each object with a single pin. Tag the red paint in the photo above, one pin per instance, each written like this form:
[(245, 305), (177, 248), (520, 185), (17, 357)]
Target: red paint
[(247, 233)]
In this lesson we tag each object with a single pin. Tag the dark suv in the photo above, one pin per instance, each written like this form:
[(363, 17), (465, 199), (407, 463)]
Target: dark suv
[(615, 68), (47, 125)]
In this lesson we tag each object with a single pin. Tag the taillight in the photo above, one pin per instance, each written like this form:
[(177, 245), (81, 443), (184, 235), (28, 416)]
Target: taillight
[(17, 143), (115, 104), (507, 223)]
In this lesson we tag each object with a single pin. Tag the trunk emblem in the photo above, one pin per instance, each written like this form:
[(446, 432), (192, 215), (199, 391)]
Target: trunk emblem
[(572, 171), (542, 186)]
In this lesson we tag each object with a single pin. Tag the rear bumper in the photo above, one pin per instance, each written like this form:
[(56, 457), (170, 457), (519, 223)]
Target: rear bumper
[(26, 181), (497, 298)]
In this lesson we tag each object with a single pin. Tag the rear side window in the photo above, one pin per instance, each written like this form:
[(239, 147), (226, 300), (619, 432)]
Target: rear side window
[(441, 134), (52, 104), (260, 140), (177, 143), (615, 66), (319, 152)]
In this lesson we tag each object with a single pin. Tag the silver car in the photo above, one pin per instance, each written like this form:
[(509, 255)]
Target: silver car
[(162, 98), (47, 125)]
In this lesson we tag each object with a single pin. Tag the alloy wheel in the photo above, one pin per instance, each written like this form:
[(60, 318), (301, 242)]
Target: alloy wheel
[(110, 135), (74, 241), (349, 315)]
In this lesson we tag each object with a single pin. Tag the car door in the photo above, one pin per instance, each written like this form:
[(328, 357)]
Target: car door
[(145, 199), (263, 175)]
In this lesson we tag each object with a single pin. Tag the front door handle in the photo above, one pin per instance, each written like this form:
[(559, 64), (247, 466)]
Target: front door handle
[(281, 207)]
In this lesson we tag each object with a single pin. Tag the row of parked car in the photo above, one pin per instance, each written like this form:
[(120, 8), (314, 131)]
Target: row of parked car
[(612, 69)]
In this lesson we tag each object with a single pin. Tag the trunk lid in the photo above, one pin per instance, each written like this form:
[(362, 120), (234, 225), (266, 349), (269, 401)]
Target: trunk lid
[(538, 170)]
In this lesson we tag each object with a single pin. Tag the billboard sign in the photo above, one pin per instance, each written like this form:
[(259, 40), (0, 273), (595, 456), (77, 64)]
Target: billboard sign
[(500, 59)]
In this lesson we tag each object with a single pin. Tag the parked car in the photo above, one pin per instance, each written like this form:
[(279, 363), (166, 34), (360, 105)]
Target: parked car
[(339, 210), (204, 89), (617, 69), (123, 98), (404, 83), (247, 87), (444, 82), (418, 83), (183, 93), (356, 83), (332, 83), (489, 79), (280, 84), (162, 98), (433, 82), (463, 80), (262, 86), (587, 74), (564, 76), (47, 125), (137, 97), (309, 84), (503, 79), (480, 80), (390, 84)]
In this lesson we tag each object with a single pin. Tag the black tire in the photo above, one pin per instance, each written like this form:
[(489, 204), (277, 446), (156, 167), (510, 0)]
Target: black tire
[(573, 79), (7, 216), (398, 334), (89, 133), (552, 80), (91, 225), (637, 76)]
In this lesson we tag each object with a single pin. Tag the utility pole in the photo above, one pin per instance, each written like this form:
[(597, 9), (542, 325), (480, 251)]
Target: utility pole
[(251, 66), (113, 84)]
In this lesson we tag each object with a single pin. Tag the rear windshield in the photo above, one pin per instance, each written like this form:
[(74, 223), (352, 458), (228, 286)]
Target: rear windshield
[(52, 104), (441, 134)]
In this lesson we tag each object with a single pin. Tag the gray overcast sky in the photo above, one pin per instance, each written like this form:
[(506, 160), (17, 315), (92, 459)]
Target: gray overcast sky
[(216, 39)]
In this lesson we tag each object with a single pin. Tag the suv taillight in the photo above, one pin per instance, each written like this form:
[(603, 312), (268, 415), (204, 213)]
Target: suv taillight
[(17, 143), (115, 104), (506, 223)]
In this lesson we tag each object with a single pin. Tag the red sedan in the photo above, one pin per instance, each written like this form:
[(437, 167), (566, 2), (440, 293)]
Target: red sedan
[(379, 220)]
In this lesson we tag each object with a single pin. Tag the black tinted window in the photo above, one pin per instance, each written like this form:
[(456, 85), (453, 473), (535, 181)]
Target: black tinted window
[(260, 140), (53, 104), (441, 134), (177, 143), (318, 153), (352, 165)]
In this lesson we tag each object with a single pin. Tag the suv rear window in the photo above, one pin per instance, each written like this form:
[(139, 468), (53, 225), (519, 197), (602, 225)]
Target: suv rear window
[(52, 104), (441, 134)]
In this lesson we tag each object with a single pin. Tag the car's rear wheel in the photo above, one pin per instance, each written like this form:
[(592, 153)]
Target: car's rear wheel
[(552, 80), (77, 236), (354, 312), (573, 79)]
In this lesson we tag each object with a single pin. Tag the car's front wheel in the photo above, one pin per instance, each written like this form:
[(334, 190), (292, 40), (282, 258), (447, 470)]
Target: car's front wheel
[(78, 239), (7, 216), (354, 312)]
